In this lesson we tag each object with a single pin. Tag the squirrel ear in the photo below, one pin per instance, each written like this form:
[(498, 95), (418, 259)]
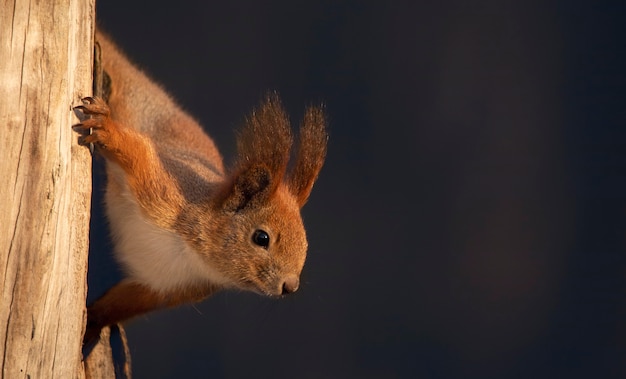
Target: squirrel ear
[(311, 154), (249, 186)]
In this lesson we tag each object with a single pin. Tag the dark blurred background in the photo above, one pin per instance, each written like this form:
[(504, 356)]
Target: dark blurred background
[(470, 221)]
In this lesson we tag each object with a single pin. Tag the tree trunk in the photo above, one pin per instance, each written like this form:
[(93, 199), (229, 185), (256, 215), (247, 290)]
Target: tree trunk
[(46, 50)]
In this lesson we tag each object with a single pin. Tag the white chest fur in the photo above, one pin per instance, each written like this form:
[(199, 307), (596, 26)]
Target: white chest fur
[(151, 255)]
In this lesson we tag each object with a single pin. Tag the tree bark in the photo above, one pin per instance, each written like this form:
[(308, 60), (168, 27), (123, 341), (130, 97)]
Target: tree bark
[(110, 357), (46, 51)]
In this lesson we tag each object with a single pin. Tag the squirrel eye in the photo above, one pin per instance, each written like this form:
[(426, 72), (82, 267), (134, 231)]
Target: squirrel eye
[(261, 238)]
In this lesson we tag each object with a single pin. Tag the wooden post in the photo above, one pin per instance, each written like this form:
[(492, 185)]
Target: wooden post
[(46, 54)]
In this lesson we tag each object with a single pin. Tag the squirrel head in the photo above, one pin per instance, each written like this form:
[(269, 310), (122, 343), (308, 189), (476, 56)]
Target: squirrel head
[(258, 232)]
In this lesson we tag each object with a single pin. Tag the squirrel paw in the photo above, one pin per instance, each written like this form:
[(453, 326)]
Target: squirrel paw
[(94, 127)]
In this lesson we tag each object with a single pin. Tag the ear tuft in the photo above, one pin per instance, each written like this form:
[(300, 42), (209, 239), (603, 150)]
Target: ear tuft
[(311, 154), (266, 139)]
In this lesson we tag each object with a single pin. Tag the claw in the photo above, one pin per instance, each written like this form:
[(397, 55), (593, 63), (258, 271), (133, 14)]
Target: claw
[(83, 141), (91, 139), (90, 123), (96, 108), (81, 128)]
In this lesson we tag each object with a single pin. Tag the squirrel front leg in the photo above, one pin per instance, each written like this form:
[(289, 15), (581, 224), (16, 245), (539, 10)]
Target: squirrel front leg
[(152, 186)]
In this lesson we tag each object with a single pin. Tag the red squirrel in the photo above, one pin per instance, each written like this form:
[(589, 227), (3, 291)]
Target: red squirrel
[(183, 225)]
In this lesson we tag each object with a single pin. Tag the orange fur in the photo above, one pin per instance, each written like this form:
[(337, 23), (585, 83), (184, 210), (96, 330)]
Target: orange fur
[(182, 225)]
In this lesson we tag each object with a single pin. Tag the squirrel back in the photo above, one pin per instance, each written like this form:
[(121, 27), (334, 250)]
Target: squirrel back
[(140, 102)]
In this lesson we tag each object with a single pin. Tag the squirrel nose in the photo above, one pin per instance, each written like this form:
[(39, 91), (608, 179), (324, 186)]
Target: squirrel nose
[(290, 284)]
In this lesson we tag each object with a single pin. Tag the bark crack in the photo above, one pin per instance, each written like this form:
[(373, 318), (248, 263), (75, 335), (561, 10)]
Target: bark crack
[(19, 211), (6, 340)]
